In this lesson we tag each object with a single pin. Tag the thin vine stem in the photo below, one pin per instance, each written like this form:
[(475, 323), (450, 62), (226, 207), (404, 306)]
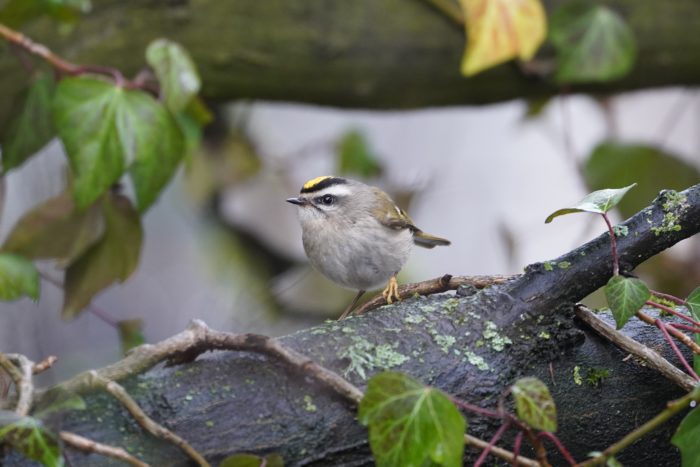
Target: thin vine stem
[(668, 309), (660, 324), (499, 433), (560, 446), (613, 245)]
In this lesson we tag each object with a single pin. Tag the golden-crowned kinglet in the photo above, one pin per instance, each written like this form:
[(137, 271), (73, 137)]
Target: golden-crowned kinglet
[(355, 235)]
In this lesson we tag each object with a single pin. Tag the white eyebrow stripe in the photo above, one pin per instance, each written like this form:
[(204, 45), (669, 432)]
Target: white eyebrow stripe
[(336, 190)]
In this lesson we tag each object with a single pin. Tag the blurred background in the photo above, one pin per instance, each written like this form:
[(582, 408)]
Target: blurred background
[(221, 244)]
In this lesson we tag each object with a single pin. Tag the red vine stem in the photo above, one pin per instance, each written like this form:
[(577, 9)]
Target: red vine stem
[(613, 245), (669, 297), (685, 328), (660, 324), (672, 311), (560, 446), (492, 443), (516, 447)]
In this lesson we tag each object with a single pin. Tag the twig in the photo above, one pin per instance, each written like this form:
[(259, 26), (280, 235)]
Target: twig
[(45, 364), (433, 286), (449, 9), (671, 409), (94, 309), (500, 452), (517, 443), (19, 368), (145, 421), (674, 332), (89, 446), (629, 345), (669, 297)]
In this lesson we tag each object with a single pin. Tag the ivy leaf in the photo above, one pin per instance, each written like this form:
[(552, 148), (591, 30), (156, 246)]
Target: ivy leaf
[(161, 148), (500, 30), (686, 438), (56, 229), (18, 277), (410, 424), (104, 128), (625, 296), (356, 157), (176, 73), (598, 202), (693, 302), (130, 334), (32, 127), (30, 437), (593, 43), (250, 460), (112, 259), (534, 404), (613, 164)]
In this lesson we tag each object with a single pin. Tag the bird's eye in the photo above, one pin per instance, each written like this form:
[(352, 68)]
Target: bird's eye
[(326, 199)]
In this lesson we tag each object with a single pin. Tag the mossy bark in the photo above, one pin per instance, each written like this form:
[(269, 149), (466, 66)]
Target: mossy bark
[(472, 345)]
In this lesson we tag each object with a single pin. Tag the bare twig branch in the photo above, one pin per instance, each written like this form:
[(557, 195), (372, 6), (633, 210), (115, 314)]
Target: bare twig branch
[(644, 353), (45, 364), (89, 446), (433, 286), (673, 331), (19, 368), (145, 421)]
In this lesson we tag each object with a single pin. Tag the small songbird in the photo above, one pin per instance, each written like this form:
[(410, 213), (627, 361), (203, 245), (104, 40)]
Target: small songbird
[(355, 235)]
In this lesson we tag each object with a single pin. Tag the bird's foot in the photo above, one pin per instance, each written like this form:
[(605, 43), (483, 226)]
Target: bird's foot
[(391, 292)]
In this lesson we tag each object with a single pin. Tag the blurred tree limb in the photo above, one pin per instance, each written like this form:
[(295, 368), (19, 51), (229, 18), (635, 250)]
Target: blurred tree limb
[(383, 54)]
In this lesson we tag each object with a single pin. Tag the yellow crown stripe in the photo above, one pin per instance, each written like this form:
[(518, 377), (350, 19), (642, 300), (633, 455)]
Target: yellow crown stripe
[(313, 182)]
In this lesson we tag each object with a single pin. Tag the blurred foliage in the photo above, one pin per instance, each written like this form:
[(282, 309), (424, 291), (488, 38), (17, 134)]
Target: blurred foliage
[(18, 277), (593, 43), (616, 164), (30, 437), (356, 157), (15, 13), (130, 334), (250, 460)]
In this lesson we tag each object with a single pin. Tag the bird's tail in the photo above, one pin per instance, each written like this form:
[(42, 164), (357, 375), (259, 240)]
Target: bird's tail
[(426, 240)]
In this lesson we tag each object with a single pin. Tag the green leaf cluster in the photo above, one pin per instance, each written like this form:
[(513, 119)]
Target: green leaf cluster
[(597, 202), (693, 302), (625, 296), (355, 157), (534, 404)]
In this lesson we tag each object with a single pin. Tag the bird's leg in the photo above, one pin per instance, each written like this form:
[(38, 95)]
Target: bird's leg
[(348, 310), (391, 292)]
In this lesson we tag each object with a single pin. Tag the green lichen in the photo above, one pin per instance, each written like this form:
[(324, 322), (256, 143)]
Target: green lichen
[(414, 318), (365, 356), (347, 330), (495, 340), (621, 230), (444, 342), (674, 205), (309, 405), (564, 264), (428, 308), (476, 360), (544, 335), (209, 424), (450, 305), (595, 376), (577, 376), (548, 266), (318, 331)]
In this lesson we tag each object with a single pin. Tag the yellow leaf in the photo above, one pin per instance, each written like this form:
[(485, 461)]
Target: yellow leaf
[(500, 30)]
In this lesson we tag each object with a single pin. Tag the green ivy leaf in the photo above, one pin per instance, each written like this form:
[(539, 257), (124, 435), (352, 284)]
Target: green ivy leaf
[(593, 43), (612, 164), (112, 259), (104, 128), (31, 128), (534, 404), (176, 73), (250, 460), (598, 202), (693, 301), (686, 439), (130, 334), (625, 296), (410, 424), (356, 157), (18, 277), (56, 229), (30, 437)]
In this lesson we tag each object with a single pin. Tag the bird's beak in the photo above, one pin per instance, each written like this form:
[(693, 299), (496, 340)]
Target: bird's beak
[(297, 201)]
